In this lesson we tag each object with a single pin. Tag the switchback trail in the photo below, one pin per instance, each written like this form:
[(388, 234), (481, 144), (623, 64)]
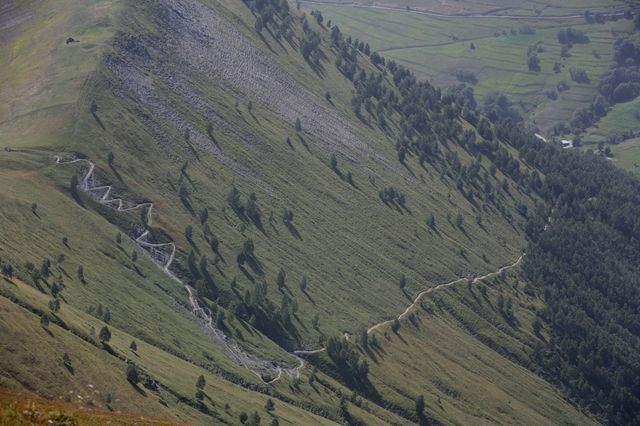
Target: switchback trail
[(163, 255)]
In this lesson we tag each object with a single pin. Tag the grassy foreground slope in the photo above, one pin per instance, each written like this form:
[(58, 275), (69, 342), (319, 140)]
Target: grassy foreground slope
[(177, 103)]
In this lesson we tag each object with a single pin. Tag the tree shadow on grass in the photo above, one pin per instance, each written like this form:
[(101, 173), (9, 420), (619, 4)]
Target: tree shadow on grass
[(247, 274), (138, 389), (399, 336), (308, 296), (115, 171), (293, 230), (264, 40), (371, 354), (255, 265), (406, 166), (9, 281), (303, 142), (95, 116)]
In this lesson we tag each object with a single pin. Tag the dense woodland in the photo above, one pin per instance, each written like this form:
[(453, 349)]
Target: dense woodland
[(620, 84), (584, 262), (584, 259)]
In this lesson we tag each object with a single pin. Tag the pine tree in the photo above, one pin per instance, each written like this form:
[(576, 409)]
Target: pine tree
[(298, 125), (373, 341), (220, 320), (214, 244), (270, 405), (55, 289), (303, 284), (403, 282), (364, 339), (201, 382), (54, 305), (431, 221), (105, 334), (204, 215), (132, 374), (254, 419), (537, 326), (44, 320), (420, 405), (281, 279), (501, 302), (287, 217), (133, 346)]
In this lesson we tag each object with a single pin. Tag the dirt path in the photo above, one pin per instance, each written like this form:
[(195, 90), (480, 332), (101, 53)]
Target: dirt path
[(420, 295)]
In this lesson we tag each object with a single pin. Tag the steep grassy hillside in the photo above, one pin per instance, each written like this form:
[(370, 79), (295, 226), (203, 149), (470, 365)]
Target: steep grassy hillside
[(176, 178)]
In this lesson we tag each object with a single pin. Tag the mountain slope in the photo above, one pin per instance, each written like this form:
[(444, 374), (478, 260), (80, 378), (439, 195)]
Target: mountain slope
[(231, 135)]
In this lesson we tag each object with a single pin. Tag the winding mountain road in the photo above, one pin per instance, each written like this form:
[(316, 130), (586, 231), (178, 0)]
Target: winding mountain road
[(163, 255)]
